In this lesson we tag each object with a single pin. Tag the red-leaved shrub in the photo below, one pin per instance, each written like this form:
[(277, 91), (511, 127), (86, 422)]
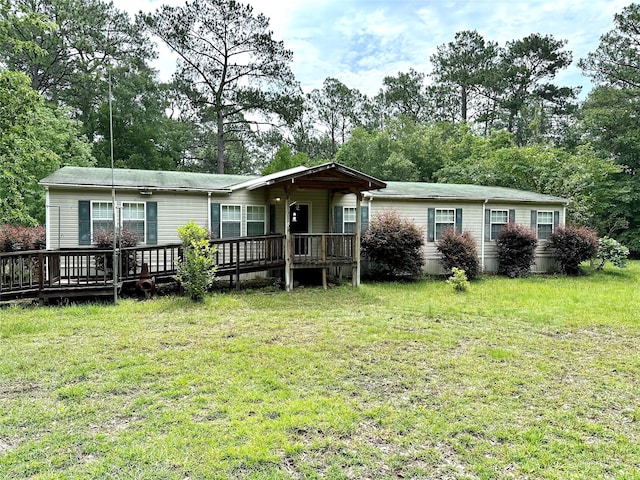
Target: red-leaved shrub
[(393, 244), (571, 246), (459, 250), (16, 238), (516, 250)]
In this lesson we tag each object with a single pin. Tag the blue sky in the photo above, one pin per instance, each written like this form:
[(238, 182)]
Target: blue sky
[(359, 42)]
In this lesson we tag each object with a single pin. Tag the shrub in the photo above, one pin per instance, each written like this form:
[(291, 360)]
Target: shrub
[(516, 250), (196, 268), (458, 280), (393, 245), (459, 250), (611, 250), (17, 238), (571, 246), (104, 239)]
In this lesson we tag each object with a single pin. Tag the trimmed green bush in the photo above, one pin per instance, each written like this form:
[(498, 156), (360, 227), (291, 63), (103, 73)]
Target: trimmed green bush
[(571, 246), (458, 250), (516, 250), (196, 268), (393, 244)]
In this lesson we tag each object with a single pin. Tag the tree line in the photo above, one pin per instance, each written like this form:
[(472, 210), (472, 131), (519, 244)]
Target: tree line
[(487, 113)]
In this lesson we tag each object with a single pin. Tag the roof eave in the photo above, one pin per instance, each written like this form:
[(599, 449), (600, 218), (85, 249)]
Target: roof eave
[(137, 187), (467, 199)]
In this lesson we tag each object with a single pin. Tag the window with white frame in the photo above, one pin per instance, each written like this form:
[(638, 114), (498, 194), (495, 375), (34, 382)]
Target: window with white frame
[(230, 220), (349, 217), (445, 220), (256, 220), (499, 218), (545, 225), (101, 217), (133, 219)]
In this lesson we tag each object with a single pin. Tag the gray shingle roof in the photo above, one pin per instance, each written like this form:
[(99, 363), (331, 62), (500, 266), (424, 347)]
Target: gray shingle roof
[(188, 181), (449, 191), (142, 179)]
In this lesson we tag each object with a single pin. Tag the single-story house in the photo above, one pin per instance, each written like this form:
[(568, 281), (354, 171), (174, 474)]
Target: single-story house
[(330, 198)]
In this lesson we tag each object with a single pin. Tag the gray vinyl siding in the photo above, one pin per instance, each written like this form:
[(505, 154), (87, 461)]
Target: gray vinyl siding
[(472, 221), (174, 210)]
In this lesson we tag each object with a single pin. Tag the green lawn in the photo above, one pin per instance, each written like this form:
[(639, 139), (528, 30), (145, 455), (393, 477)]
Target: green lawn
[(534, 378)]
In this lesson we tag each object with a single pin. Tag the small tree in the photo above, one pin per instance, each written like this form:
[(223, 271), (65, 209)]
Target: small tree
[(458, 250), (458, 280), (611, 250), (393, 245), (516, 250), (196, 268), (571, 246)]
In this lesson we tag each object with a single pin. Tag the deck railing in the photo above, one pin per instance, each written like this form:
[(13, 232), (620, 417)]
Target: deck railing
[(323, 249), (29, 273)]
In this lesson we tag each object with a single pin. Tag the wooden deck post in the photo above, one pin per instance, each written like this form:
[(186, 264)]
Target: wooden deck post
[(324, 261), (288, 256), (356, 247)]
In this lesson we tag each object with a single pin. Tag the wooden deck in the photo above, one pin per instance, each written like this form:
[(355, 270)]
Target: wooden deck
[(44, 274)]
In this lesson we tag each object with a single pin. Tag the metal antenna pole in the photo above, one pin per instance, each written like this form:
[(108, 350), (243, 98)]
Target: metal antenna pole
[(113, 203)]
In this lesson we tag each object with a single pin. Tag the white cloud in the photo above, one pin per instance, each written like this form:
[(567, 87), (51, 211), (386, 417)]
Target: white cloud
[(359, 42)]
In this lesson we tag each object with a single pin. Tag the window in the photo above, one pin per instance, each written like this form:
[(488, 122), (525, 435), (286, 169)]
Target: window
[(349, 220), (230, 220), (101, 217), (256, 218), (545, 225), (499, 218), (445, 220), (133, 219)]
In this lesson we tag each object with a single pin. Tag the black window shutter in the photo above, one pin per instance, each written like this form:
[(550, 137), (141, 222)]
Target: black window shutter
[(272, 219), (364, 219), (337, 219), (512, 216), (152, 223), (84, 222), (534, 219), (215, 220), (556, 219), (431, 224), (458, 220), (487, 225)]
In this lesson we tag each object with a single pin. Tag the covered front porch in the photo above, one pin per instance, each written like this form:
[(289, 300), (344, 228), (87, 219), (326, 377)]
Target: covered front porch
[(311, 240)]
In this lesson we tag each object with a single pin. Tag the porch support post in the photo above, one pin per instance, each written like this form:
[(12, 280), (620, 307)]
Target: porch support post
[(356, 247), (288, 256)]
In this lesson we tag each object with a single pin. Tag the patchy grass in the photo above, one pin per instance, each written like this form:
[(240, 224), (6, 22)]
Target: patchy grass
[(533, 378)]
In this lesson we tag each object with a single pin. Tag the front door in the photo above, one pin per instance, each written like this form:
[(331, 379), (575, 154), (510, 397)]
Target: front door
[(299, 221)]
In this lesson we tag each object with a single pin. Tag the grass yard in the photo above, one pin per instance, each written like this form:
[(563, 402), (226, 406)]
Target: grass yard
[(535, 378)]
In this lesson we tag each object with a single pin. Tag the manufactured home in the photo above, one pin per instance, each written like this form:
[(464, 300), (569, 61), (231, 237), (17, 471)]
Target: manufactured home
[(319, 211)]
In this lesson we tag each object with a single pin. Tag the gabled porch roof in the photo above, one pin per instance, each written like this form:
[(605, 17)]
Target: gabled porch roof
[(331, 176)]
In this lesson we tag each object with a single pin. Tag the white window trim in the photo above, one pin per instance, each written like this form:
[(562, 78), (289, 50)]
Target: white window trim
[(344, 216), (436, 223), (247, 221), (144, 219), (94, 202), (235, 205), (492, 223), (538, 223)]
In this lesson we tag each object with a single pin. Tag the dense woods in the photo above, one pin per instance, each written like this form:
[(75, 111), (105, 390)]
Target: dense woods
[(487, 113)]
